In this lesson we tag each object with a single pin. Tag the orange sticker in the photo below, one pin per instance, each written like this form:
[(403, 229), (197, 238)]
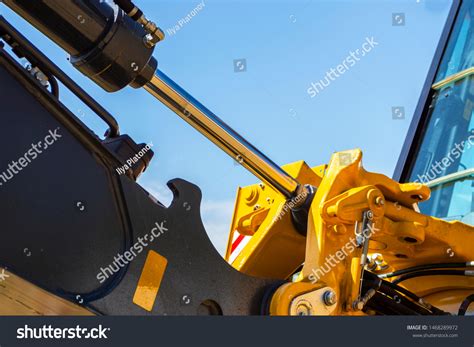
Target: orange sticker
[(150, 281)]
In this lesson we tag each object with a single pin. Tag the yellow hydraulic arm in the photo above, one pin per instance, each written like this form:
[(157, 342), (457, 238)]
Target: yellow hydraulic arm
[(360, 224)]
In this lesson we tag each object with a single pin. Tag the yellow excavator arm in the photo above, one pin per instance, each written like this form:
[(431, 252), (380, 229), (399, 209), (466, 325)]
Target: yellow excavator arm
[(365, 235)]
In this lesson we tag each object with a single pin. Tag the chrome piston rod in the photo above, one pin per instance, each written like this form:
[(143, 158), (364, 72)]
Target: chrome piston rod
[(216, 130)]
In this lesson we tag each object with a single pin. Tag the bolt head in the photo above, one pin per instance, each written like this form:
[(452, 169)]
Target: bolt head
[(370, 214), (252, 196), (148, 41), (378, 258), (340, 229), (330, 298), (303, 309), (358, 305)]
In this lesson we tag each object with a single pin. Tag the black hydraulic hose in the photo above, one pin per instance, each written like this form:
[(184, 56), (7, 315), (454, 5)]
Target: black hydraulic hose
[(378, 283), (465, 305), (391, 289), (128, 7), (401, 300), (384, 301), (397, 293), (125, 5), (432, 273), (381, 285), (387, 286), (402, 290), (427, 267)]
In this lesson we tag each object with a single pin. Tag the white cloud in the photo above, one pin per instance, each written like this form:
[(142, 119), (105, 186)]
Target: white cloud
[(217, 216), (160, 191)]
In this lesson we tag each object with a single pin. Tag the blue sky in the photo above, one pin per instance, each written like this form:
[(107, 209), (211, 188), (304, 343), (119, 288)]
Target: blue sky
[(287, 45)]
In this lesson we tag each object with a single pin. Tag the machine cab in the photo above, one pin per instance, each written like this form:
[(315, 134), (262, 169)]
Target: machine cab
[(439, 150)]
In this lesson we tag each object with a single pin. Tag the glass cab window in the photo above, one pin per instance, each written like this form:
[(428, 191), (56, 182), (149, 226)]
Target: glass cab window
[(445, 160)]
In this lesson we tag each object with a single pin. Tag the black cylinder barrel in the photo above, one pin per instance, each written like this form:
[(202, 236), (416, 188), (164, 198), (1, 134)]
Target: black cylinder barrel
[(104, 43)]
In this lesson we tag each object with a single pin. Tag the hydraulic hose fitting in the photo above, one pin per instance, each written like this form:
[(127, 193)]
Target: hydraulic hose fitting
[(154, 33), (104, 43)]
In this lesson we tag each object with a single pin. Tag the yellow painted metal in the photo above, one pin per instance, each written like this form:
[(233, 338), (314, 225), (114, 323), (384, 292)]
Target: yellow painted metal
[(275, 250), (400, 236), (281, 300), (347, 190), (150, 281), (19, 297), (453, 78), (449, 300)]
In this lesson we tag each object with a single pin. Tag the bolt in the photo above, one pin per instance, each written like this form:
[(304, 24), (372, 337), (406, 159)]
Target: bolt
[(371, 266), (187, 113), (358, 305), (378, 258), (303, 309), (340, 229), (252, 196), (261, 185), (269, 200), (379, 201), (39, 75), (256, 207), (370, 214), (329, 297), (148, 41)]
